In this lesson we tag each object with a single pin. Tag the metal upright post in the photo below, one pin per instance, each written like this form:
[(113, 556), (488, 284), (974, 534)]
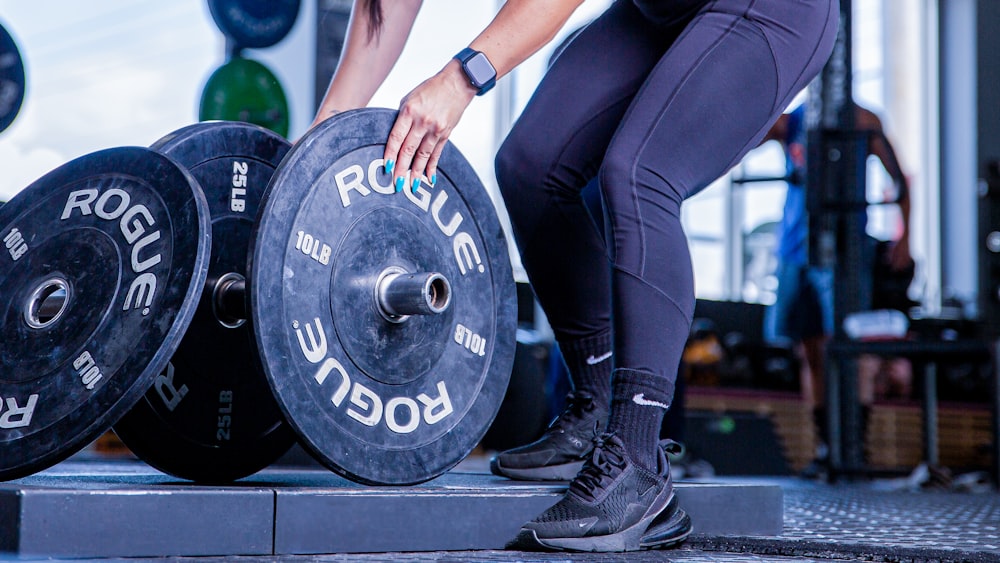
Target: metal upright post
[(332, 17), (836, 204)]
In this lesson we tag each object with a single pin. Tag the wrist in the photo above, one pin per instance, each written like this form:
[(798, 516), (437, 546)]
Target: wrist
[(455, 76)]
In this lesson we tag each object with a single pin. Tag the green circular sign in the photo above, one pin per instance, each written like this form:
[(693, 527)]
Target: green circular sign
[(245, 90)]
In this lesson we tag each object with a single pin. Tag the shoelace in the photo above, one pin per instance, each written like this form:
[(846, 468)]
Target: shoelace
[(607, 461), (577, 405)]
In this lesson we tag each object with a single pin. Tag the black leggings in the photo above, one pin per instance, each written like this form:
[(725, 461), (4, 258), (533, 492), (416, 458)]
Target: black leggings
[(656, 114)]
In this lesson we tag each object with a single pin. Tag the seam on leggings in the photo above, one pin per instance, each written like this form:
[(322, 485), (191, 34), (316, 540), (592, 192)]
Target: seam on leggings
[(779, 103), (654, 123), (774, 59), (670, 299), (812, 56)]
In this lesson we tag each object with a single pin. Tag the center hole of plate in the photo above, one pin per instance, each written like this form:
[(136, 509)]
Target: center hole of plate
[(439, 293), (47, 303), (229, 300)]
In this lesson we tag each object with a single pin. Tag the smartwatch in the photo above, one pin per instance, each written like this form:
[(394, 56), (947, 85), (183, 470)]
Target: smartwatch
[(478, 69)]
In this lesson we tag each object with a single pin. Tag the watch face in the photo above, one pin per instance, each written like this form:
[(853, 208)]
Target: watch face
[(480, 70)]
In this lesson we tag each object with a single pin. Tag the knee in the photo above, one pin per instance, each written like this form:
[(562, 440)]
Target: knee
[(617, 167), (618, 183), (520, 174), (628, 179), (515, 166)]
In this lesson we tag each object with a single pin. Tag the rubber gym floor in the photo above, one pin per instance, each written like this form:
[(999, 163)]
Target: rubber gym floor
[(867, 521), (887, 520)]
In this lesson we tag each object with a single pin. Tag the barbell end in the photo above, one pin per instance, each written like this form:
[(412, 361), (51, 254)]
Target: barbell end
[(399, 295), (229, 300)]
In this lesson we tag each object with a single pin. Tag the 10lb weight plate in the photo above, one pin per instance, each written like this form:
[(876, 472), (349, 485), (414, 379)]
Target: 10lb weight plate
[(100, 268), (210, 415), (385, 321)]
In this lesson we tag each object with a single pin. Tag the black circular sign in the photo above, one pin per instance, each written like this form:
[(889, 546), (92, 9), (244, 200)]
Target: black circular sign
[(211, 416), (101, 264), (11, 79), (254, 24), (377, 400)]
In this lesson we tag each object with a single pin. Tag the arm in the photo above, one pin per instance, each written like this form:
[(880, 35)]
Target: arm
[(367, 57), (778, 131), (880, 147), (900, 256), (431, 111)]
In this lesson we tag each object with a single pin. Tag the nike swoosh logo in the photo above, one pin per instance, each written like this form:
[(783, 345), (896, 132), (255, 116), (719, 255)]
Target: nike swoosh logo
[(592, 360), (640, 399)]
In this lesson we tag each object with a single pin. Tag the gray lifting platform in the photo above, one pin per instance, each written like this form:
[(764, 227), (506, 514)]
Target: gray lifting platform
[(129, 510)]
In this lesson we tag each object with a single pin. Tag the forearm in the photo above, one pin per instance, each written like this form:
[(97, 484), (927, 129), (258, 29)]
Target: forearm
[(904, 205), (520, 29), (367, 58)]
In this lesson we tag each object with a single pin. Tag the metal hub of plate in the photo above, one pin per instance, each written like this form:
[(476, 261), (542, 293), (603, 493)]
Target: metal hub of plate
[(377, 400), (101, 263), (210, 415)]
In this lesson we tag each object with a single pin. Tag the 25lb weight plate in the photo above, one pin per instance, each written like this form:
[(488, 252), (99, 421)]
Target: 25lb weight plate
[(210, 415), (385, 321), (100, 267)]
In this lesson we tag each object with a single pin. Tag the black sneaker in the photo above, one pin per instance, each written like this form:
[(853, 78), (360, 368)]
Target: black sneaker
[(610, 506), (559, 454)]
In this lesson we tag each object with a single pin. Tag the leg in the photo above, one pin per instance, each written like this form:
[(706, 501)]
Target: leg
[(554, 149), (815, 354), (784, 321), (702, 107), (817, 327), (552, 152)]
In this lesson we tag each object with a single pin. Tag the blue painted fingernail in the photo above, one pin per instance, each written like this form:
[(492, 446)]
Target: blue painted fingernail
[(434, 180), (416, 184), (388, 166), (399, 184)]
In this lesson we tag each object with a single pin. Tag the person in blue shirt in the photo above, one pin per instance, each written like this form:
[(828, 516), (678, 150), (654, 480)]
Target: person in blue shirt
[(803, 311)]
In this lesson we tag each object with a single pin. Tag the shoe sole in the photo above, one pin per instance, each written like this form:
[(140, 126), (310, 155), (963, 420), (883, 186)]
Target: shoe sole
[(669, 528), (564, 472), (629, 539)]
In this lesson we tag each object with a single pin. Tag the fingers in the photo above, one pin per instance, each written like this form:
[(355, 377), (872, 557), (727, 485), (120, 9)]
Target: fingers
[(397, 135), (432, 163), (416, 141), (417, 156), (418, 168), (412, 158)]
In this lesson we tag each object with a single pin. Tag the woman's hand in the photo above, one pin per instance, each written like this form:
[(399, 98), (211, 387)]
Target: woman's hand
[(429, 113), (427, 116)]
